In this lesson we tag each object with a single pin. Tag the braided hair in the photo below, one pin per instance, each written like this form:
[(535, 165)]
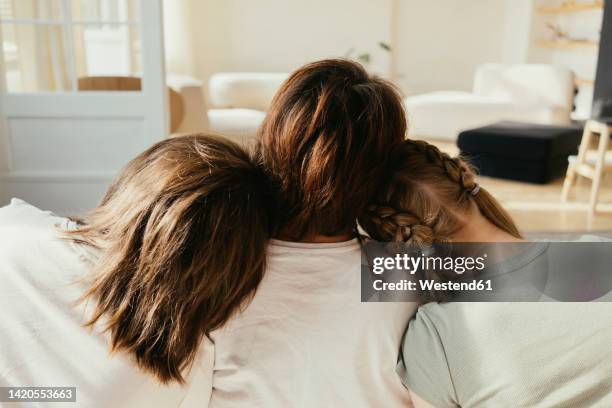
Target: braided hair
[(457, 170), (398, 226), (427, 198)]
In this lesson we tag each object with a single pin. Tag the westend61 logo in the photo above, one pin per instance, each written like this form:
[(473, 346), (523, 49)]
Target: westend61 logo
[(406, 264)]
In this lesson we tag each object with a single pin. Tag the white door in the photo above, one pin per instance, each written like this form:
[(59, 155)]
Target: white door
[(61, 146)]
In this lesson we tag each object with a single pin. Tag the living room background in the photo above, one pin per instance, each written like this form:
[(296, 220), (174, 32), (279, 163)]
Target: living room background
[(435, 44)]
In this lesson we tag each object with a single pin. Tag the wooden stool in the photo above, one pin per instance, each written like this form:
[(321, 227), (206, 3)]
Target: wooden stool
[(591, 169)]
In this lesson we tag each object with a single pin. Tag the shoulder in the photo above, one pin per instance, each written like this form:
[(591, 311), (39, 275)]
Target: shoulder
[(22, 224), (425, 327), (437, 317), (18, 212), (423, 361)]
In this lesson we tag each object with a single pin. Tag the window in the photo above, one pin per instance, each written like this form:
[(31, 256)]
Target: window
[(51, 45)]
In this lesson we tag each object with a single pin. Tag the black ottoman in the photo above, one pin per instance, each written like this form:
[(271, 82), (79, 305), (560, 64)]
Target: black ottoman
[(520, 151)]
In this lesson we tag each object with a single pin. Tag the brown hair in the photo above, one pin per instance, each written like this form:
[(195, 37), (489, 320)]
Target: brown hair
[(326, 142), (427, 198), (181, 236)]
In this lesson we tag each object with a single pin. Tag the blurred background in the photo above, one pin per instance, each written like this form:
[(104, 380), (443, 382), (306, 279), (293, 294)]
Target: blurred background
[(87, 84)]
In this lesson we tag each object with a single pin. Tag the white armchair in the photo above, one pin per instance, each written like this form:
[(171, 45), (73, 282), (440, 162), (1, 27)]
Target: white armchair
[(534, 93), (239, 102)]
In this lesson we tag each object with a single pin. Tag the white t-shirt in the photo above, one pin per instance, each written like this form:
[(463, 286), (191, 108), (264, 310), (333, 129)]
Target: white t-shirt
[(42, 338), (306, 340)]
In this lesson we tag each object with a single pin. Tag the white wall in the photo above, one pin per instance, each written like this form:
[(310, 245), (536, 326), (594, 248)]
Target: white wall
[(437, 43), (441, 42), (281, 35), (517, 31), (179, 37)]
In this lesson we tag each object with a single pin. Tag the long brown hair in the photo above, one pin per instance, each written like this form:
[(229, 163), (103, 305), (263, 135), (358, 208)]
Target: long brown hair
[(326, 141), (427, 197), (180, 236)]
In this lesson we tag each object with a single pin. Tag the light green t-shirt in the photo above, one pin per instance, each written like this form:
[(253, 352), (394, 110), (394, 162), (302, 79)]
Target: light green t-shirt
[(476, 355)]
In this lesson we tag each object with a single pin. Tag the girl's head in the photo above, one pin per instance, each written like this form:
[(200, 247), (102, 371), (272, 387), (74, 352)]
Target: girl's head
[(326, 142), (181, 236), (429, 198)]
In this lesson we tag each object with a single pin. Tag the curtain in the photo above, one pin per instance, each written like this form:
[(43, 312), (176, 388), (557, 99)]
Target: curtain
[(41, 48)]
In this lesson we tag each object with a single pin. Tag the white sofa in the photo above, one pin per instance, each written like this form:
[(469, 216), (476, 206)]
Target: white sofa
[(535, 93), (239, 101)]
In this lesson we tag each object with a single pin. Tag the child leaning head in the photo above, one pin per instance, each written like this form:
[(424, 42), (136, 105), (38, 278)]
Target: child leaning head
[(429, 197), (180, 238)]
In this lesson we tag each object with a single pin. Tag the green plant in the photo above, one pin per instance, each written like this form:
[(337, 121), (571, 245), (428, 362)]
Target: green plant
[(365, 57)]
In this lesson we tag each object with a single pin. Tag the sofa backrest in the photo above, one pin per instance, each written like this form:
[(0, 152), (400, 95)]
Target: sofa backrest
[(247, 90), (527, 83)]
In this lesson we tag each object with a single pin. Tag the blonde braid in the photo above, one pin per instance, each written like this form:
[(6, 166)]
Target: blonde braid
[(428, 197), (455, 168), (399, 226)]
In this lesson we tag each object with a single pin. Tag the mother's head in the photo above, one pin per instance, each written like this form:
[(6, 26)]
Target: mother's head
[(326, 142)]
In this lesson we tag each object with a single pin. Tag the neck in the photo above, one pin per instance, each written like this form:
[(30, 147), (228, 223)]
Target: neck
[(324, 239), (319, 239), (478, 228)]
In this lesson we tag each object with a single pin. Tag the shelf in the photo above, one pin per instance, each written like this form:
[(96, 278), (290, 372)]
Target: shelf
[(562, 43), (583, 82), (571, 7)]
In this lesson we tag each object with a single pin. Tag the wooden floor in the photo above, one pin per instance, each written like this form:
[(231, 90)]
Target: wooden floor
[(538, 207)]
